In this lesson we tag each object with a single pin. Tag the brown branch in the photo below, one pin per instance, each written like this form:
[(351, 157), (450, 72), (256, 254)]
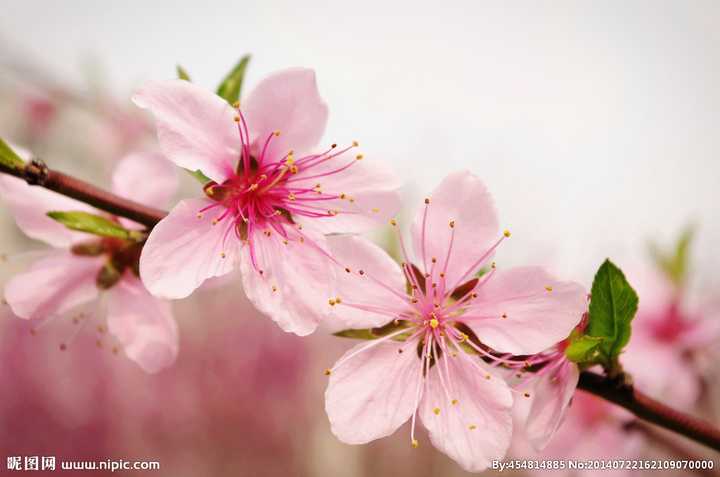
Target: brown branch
[(37, 173), (622, 393)]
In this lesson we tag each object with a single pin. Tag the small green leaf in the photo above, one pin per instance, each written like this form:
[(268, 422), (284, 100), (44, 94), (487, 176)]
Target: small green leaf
[(199, 176), (9, 158), (230, 87), (363, 334), (375, 333), (583, 349), (94, 224), (613, 305), (675, 263), (182, 73)]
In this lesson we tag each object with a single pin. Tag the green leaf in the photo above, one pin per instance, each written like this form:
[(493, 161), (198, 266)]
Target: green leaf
[(9, 158), (675, 263), (199, 176), (583, 349), (230, 87), (613, 305), (363, 334), (182, 73), (94, 224), (375, 333)]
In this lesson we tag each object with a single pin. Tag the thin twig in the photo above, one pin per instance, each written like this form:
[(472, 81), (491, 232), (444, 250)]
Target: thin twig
[(643, 406)]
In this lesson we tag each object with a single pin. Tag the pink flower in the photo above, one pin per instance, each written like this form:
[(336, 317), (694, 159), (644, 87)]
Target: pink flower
[(422, 365), (551, 390), (76, 273), (270, 200)]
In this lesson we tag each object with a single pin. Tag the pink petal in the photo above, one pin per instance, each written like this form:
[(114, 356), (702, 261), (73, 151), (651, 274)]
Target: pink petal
[(483, 403), (196, 128), (461, 197), (287, 101), (143, 324), (372, 393), (551, 395), (374, 189), (145, 177), (53, 285), (535, 317), (380, 275), (29, 206), (294, 287), (184, 250)]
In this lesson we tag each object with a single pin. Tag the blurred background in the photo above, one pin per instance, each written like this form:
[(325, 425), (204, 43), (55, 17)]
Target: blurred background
[(596, 126)]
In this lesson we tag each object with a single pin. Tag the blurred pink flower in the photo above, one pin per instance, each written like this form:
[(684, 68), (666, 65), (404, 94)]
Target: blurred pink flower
[(77, 272), (268, 205), (377, 386)]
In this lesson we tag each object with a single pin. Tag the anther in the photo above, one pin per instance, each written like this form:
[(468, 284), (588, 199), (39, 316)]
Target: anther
[(327, 372), (355, 144), (236, 119), (359, 157), (492, 265), (333, 146), (427, 201), (393, 222), (548, 288), (347, 269), (276, 133), (454, 402), (506, 233), (488, 377), (527, 395), (504, 315), (433, 260), (452, 224), (361, 272), (434, 323), (472, 427), (63, 346), (222, 255), (375, 210), (415, 444), (436, 411)]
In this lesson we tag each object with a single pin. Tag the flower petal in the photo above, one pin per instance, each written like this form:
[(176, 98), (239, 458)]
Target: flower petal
[(539, 310), (370, 191), (380, 275), (462, 198), (287, 101), (551, 395), (373, 392), (53, 285), (29, 206), (196, 128), (143, 324), (295, 283), (477, 429), (145, 177), (184, 249)]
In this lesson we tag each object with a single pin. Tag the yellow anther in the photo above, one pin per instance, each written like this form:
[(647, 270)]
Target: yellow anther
[(488, 377), (291, 196), (433, 260), (236, 119), (328, 372), (290, 160), (436, 411), (472, 427), (331, 302), (393, 222), (415, 444), (527, 395), (454, 402), (222, 255), (427, 201), (492, 265), (359, 157), (274, 288), (199, 215), (276, 133), (434, 323), (506, 233), (548, 288), (452, 224), (355, 144), (375, 210), (342, 195)]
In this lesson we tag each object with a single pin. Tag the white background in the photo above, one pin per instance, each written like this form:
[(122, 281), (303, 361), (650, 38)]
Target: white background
[(594, 124)]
